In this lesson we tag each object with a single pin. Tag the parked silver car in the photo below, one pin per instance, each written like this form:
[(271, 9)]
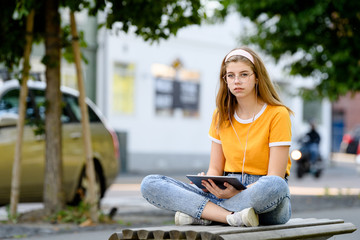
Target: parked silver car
[(104, 144)]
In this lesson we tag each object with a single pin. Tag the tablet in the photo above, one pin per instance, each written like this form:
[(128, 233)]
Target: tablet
[(218, 180)]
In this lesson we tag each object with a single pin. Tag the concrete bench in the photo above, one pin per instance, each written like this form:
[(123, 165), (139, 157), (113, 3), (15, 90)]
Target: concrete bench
[(296, 228)]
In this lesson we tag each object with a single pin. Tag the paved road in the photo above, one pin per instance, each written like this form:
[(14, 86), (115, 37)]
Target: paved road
[(338, 179)]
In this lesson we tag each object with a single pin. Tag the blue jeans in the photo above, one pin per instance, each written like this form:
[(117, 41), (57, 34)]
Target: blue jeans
[(270, 197)]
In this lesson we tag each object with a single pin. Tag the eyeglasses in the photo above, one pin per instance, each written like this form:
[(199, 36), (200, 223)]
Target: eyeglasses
[(230, 77)]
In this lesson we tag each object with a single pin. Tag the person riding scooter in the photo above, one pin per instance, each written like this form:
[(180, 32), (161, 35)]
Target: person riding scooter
[(312, 143), (307, 157)]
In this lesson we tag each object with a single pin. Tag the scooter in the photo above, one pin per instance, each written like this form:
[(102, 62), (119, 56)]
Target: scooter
[(303, 165)]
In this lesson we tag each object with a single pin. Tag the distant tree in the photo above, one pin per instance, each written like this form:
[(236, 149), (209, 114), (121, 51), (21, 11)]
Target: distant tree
[(325, 32), (152, 20)]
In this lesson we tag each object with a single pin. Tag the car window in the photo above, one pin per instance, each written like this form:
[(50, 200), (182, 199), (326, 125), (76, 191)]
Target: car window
[(68, 109), (9, 103), (67, 116), (73, 105), (93, 117), (39, 98)]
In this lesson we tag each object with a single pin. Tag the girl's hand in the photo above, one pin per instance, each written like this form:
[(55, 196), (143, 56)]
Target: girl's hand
[(200, 174), (203, 174), (226, 193)]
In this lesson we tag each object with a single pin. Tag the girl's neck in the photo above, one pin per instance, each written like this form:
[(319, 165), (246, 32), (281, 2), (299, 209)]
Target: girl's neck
[(249, 108)]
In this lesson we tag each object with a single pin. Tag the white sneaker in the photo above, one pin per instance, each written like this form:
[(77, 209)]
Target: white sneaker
[(246, 217), (184, 219)]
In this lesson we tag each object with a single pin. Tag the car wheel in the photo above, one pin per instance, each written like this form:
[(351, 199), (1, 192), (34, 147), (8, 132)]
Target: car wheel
[(83, 186)]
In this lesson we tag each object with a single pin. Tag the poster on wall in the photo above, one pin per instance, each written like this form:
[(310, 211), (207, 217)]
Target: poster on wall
[(176, 90), (123, 88), (164, 96)]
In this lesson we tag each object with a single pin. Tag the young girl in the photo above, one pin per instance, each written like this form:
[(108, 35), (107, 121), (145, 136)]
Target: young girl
[(251, 136)]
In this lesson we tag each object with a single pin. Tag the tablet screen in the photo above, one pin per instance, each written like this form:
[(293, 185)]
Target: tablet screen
[(218, 180)]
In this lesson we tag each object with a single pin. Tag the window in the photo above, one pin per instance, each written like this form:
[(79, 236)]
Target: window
[(123, 88), (312, 111)]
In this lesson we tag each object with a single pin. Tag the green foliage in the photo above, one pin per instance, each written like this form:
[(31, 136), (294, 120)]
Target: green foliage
[(38, 123), (67, 44), (93, 6), (12, 34), (326, 32), (11, 218), (20, 236), (122, 222), (72, 214), (153, 20), (77, 215), (12, 29), (38, 126)]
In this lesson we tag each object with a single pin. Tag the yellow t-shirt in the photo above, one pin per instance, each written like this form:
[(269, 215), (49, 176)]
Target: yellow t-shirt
[(271, 127)]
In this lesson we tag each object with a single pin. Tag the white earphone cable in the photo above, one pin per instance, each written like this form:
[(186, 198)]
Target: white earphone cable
[(247, 135)]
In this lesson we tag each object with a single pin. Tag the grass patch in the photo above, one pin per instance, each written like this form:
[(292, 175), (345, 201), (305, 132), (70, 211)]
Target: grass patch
[(78, 215)]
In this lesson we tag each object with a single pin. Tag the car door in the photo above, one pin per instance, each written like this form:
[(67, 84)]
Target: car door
[(32, 161), (73, 156), (73, 146)]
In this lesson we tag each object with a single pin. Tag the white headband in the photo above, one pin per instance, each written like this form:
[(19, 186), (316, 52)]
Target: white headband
[(240, 52)]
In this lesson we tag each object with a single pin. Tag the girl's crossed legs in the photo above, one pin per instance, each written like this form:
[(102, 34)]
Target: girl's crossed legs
[(270, 198)]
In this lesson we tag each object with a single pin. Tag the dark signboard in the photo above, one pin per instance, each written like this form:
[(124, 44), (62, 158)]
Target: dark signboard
[(174, 94)]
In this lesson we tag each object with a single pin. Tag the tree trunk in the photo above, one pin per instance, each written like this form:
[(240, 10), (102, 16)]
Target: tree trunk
[(90, 170), (53, 194), (16, 171)]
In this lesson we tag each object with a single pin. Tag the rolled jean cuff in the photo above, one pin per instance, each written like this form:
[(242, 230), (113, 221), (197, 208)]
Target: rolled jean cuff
[(201, 208)]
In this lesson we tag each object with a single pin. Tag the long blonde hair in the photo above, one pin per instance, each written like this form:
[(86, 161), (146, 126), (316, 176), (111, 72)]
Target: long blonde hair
[(226, 102)]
